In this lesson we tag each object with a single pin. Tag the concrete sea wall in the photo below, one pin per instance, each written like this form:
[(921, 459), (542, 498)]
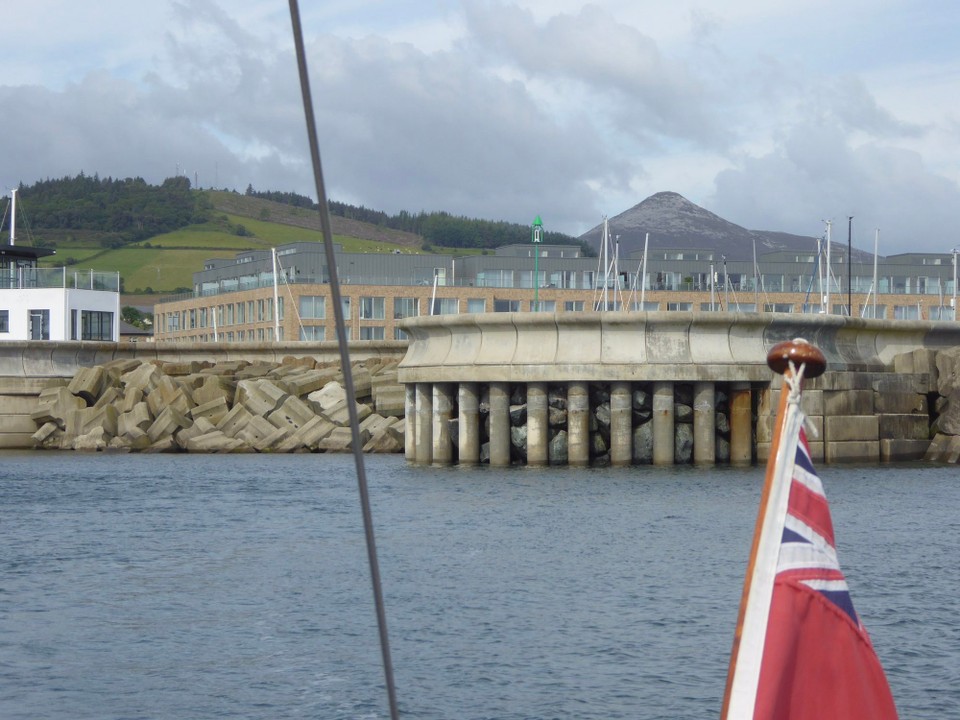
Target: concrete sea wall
[(661, 387)]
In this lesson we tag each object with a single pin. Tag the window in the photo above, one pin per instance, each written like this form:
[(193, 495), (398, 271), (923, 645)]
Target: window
[(405, 307), (280, 313), (906, 312), (241, 318), (203, 317), (39, 324), (506, 305), (573, 305), (193, 319), (173, 322), (684, 306), (371, 333), (4, 321), (371, 308), (476, 305), (313, 307), (812, 308), (867, 312), (96, 325), (445, 306), (778, 307), (545, 306), (261, 314), (229, 314), (399, 334)]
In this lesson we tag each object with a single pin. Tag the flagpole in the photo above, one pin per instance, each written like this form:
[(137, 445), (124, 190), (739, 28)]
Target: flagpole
[(779, 359)]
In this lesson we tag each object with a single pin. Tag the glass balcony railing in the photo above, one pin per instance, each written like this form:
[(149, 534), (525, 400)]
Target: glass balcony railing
[(65, 278)]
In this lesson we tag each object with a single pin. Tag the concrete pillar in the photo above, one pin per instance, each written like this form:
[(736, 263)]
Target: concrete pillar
[(499, 424), (578, 424), (468, 443), (621, 424), (741, 434), (424, 424), (538, 430), (663, 425), (704, 424), (442, 410), (410, 420)]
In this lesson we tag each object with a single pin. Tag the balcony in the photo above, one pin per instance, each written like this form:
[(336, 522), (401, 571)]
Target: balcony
[(63, 278)]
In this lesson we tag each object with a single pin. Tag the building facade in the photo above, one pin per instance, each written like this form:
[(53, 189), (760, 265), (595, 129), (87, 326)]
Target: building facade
[(260, 296), (55, 303)]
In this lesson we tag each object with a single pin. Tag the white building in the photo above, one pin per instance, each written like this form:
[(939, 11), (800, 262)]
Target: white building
[(55, 303)]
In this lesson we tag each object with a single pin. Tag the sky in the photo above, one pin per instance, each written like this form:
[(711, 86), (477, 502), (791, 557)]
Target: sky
[(774, 115)]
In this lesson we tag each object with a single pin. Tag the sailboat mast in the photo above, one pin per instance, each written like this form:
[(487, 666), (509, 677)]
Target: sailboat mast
[(643, 272), (876, 288), (13, 217), (829, 269)]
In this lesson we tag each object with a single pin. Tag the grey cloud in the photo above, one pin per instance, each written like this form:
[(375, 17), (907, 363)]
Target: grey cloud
[(817, 176), (646, 92)]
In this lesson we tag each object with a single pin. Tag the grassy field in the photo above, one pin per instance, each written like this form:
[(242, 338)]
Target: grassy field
[(166, 262)]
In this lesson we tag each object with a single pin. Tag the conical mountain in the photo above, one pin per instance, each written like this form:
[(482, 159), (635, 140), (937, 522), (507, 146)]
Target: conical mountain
[(676, 223)]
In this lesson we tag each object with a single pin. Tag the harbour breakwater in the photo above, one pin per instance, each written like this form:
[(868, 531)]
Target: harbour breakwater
[(296, 405)]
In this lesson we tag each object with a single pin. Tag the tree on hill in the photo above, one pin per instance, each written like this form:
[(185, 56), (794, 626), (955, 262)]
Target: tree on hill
[(129, 209)]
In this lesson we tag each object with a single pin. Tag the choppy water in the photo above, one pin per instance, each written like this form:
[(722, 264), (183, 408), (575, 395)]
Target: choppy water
[(236, 586)]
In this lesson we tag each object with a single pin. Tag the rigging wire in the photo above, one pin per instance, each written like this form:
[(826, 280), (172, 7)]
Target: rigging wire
[(344, 356)]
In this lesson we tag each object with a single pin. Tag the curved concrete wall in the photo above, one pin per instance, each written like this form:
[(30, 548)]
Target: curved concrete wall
[(679, 346), (61, 359)]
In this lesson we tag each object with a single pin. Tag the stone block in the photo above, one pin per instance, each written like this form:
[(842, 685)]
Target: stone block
[(895, 450), (339, 414), (260, 397), (179, 369), (853, 451), (54, 406), (254, 370), (389, 400), (167, 423), (216, 442), (144, 378), (848, 402), (925, 363), (292, 414), (310, 434), (329, 395), (136, 439), (231, 423), (44, 434), (890, 401), (92, 441), (843, 380), (110, 396), (341, 440), (362, 381), (948, 421), (851, 427), (903, 364), (199, 427), (131, 396), (88, 383), (214, 410), (105, 417), (904, 427), (213, 387), (166, 444), (255, 430), (304, 383), (383, 442), (139, 417)]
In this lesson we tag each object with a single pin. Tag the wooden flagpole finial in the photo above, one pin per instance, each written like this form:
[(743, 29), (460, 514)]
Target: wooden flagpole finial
[(800, 352)]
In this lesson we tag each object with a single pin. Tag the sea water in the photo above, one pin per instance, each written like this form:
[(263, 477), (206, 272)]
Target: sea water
[(148, 586)]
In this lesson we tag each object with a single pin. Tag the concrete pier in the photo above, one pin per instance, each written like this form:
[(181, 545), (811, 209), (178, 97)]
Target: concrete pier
[(423, 429), (468, 442), (499, 424), (442, 409), (704, 424), (410, 413), (621, 426), (641, 369), (663, 423), (741, 436), (538, 430), (578, 424)]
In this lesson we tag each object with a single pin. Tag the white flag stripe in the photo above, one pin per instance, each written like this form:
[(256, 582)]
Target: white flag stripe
[(827, 585), (815, 539), (809, 480)]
